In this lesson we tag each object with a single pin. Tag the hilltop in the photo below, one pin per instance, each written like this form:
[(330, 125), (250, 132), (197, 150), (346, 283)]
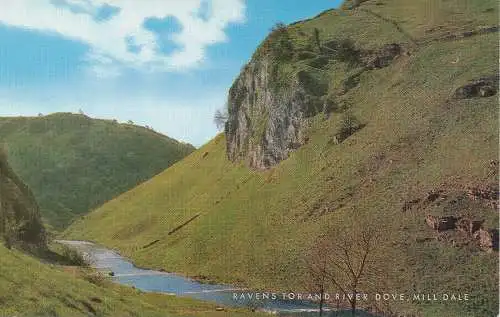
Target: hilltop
[(74, 163), (388, 112)]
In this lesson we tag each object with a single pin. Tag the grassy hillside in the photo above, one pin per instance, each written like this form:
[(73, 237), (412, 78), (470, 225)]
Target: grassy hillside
[(227, 222), (74, 163), (30, 288), (20, 220)]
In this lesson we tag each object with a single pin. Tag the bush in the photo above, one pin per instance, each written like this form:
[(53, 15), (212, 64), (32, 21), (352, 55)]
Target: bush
[(73, 257), (348, 126), (331, 104), (96, 278), (279, 27), (279, 43), (319, 62), (344, 51), (303, 55)]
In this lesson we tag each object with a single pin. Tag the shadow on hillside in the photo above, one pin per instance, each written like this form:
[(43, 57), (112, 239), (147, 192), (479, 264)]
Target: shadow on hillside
[(50, 256), (494, 233)]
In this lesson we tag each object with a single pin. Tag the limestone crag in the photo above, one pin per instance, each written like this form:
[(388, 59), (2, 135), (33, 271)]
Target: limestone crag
[(266, 117)]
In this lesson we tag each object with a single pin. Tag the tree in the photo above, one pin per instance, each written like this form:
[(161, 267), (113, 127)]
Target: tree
[(220, 118), (279, 27), (317, 40), (317, 268), (349, 125), (348, 260), (279, 42)]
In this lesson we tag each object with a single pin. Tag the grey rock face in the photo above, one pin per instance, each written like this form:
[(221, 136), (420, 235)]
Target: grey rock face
[(267, 115), (383, 57)]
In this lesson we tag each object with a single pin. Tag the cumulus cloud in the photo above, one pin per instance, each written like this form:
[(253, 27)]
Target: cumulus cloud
[(117, 33)]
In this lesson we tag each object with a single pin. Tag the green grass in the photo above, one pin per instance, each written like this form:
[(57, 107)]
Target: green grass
[(74, 164), (254, 226), (29, 288), (20, 220)]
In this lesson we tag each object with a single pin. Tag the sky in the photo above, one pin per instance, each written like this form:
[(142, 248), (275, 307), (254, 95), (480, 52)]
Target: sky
[(167, 64)]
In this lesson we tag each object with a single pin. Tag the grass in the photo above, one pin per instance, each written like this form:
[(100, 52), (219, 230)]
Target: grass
[(254, 226), (29, 288), (74, 164)]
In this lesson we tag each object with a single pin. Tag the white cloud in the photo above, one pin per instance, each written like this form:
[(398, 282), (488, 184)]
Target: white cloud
[(109, 38)]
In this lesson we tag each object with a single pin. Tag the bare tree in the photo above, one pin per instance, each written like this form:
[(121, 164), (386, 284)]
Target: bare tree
[(220, 118), (346, 259), (350, 262), (316, 279)]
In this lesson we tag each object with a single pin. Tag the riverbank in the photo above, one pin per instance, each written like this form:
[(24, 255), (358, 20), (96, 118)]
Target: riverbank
[(31, 287), (126, 273)]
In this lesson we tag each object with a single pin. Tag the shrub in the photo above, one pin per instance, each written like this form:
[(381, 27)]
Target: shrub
[(316, 39), (279, 27), (96, 278), (348, 126), (319, 62), (302, 55), (350, 82), (344, 51), (331, 104), (73, 257), (279, 43)]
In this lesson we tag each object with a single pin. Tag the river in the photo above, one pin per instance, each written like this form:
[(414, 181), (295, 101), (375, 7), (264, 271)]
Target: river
[(126, 273)]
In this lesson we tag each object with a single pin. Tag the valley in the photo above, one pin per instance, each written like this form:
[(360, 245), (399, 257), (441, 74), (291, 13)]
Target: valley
[(359, 156)]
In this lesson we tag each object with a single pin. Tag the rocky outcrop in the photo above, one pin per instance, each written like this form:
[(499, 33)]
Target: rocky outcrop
[(382, 57), (484, 240), (266, 115), (482, 87), (282, 86), (469, 226), (441, 223), (20, 221), (462, 231)]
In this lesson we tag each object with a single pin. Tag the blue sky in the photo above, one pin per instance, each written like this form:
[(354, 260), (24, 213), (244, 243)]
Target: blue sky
[(163, 63)]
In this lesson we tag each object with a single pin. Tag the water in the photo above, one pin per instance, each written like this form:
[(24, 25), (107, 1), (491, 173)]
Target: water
[(155, 281)]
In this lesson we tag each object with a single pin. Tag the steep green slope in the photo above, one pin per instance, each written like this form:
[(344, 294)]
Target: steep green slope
[(30, 288), (74, 163), (20, 220), (225, 221)]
